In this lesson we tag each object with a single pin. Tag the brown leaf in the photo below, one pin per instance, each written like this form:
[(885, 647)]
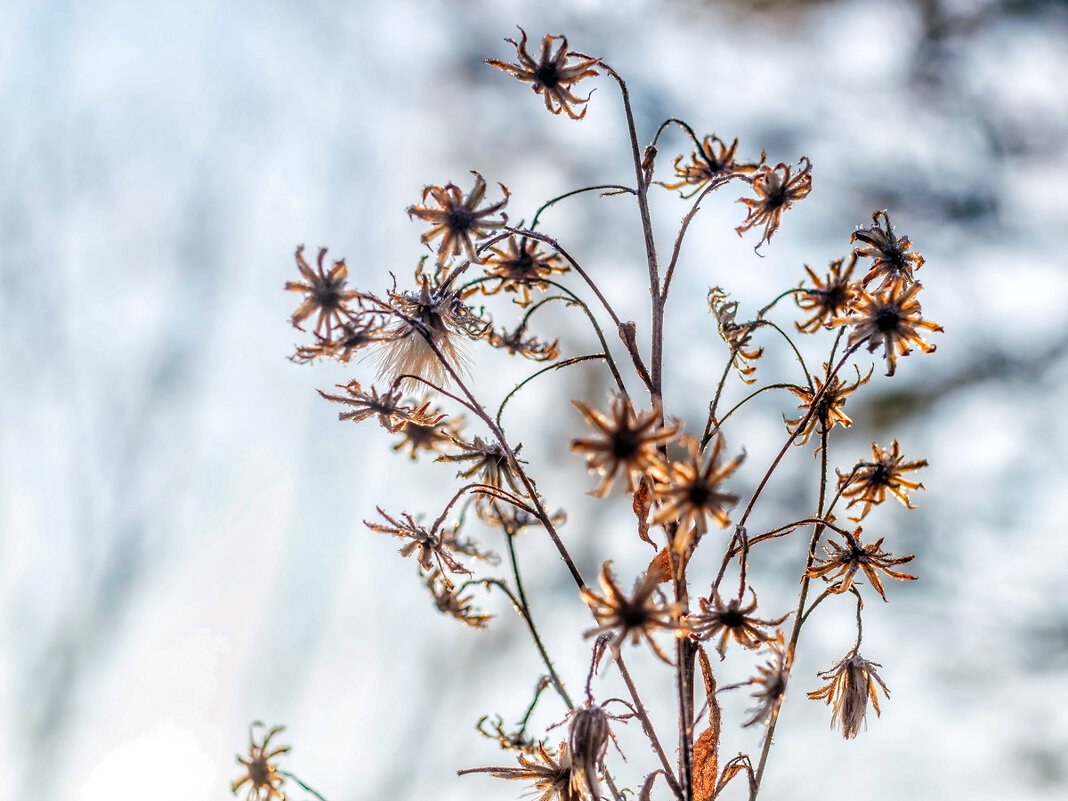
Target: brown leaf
[(661, 567), (714, 714), (640, 505), (705, 765)]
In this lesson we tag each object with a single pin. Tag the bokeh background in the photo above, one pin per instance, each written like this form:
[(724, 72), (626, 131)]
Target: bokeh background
[(181, 546)]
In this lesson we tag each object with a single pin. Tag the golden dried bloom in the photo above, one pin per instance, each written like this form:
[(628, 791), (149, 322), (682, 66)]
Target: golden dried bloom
[(517, 344), (427, 430), (892, 261), (828, 299), (869, 482), (712, 163), (552, 776), (628, 443), (843, 562), (434, 318), (458, 220), (771, 681), (433, 547), (450, 602), (730, 620), (521, 267), (324, 294), (850, 684), (690, 492), (261, 774), (889, 318), (351, 336), (829, 400), (551, 76), (635, 616), (776, 193), (737, 336), (588, 743), (391, 414), (488, 461)]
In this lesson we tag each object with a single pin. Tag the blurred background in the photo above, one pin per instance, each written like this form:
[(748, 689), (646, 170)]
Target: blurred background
[(181, 545)]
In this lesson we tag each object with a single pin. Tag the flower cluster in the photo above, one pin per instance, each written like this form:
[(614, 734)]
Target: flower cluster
[(686, 493)]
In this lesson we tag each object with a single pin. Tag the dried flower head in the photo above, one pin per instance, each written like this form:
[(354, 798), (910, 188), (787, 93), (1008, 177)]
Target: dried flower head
[(829, 399), (712, 163), (730, 620), (635, 616), (551, 76), (523, 265), (324, 294), (552, 776), (850, 684), (892, 260), (690, 492), (588, 743), (516, 343), (843, 562), (426, 429), (450, 602), (261, 774), (488, 461), (435, 546), (736, 335), (351, 336), (628, 443), (775, 193), (458, 220), (868, 482), (771, 682), (828, 299), (889, 318), (391, 413), (428, 332)]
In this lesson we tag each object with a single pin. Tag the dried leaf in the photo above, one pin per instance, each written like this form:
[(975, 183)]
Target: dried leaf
[(733, 768), (641, 511), (705, 765), (714, 714), (661, 567)]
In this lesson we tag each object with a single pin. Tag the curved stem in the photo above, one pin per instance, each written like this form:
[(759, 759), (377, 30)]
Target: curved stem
[(532, 376), (305, 787), (619, 189)]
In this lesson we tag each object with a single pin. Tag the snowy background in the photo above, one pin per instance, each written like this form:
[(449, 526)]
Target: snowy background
[(181, 546)]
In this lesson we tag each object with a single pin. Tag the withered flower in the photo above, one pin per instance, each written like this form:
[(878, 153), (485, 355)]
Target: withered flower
[(829, 400), (434, 546), (737, 336), (521, 267), (892, 261), (515, 343), (588, 743), (435, 317), (712, 163), (628, 444), (776, 193), (730, 620), (552, 776), (827, 299), (449, 602), (459, 220), (771, 682), (261, 774), (843, 562), (551, 76), (637, 616), (427, 430), (868, 482), (351, 336), (488, 461), (889, 318), (324, 293), (391, 413), (850, 684), (691, 493)]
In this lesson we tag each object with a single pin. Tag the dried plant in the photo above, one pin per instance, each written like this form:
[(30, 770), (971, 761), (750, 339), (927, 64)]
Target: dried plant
[(677, 476)]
